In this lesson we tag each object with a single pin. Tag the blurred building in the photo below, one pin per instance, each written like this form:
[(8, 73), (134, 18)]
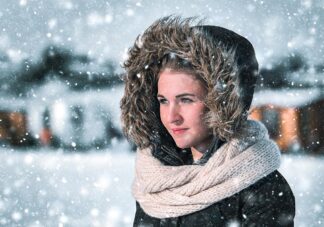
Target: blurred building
[(289, 101), (69, 101), (293, 117), (64, 101)]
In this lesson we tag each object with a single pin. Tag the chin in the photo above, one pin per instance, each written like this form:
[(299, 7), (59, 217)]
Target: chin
[(182, 145)]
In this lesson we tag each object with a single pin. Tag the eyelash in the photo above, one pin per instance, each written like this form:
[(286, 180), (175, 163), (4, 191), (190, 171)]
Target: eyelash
[(182, 100), (162, 101), (186, 100)]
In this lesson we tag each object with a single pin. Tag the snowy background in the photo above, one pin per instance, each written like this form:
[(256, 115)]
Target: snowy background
[(105, 29), (56, 189), (53, 187)]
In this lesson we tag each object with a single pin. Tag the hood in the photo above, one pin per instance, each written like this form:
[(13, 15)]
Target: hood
[(223, 59)]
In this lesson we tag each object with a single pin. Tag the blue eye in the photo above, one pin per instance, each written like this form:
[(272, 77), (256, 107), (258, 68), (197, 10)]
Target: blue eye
[(162, 101), (186, 100)]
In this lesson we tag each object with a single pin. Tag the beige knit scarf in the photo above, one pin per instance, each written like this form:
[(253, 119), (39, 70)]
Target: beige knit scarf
[(172, 191)]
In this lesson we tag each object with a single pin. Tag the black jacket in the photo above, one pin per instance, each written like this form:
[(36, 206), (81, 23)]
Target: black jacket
[(268, 202)]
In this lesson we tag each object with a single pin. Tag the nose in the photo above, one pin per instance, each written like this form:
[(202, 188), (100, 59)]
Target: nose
[(174, 115)]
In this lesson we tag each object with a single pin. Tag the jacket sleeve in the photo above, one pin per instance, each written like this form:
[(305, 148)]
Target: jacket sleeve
[(269, 202), (142, 219)]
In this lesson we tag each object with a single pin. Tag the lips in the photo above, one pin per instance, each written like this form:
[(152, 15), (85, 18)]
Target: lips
[(178, 131)]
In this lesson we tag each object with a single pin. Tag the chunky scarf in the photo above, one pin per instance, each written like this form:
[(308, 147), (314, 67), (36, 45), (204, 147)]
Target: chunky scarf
[(172, 191)]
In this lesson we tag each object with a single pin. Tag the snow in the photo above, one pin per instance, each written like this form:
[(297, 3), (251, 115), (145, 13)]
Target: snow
[(50, 188), (46, 188), (304, 174), (287, 97), (103, 29), (55, 188)]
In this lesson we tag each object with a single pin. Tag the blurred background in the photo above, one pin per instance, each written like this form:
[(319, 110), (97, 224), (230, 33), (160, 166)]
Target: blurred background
[(64, 159)]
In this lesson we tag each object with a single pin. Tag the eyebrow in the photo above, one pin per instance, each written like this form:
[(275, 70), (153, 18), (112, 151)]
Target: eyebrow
[(179, 96)]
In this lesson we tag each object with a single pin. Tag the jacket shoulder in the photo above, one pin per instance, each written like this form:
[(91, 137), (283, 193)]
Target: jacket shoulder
[(268, 202)]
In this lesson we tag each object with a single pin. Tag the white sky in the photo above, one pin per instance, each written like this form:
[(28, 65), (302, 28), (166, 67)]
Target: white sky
[(105, 29)]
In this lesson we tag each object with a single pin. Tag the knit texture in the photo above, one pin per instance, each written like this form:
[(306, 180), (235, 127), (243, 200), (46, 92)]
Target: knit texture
[(172, 191)]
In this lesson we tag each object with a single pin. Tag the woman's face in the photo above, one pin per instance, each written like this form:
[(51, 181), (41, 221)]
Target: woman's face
[(182, 109)]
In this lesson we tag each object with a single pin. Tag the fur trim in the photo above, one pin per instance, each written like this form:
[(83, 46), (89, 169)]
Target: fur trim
[(218, 63)]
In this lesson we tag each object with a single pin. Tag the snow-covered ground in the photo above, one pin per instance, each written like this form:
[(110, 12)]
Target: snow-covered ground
[(50, 188), (305, 174), (59, 189)]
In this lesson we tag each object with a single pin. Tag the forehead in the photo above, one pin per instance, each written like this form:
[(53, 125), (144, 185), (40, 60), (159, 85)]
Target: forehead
[(174, 82)]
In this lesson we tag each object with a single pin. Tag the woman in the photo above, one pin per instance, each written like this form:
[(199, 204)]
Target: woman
[(200, 162)]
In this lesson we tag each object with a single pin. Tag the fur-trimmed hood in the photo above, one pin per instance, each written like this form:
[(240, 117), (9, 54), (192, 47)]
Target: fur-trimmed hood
[(223, 59)]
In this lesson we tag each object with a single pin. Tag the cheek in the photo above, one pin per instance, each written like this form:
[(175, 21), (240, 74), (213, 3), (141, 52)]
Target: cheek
[(197, 118)]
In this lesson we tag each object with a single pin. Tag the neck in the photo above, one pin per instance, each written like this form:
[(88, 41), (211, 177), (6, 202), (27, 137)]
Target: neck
[(198, 151), (196, 155)]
